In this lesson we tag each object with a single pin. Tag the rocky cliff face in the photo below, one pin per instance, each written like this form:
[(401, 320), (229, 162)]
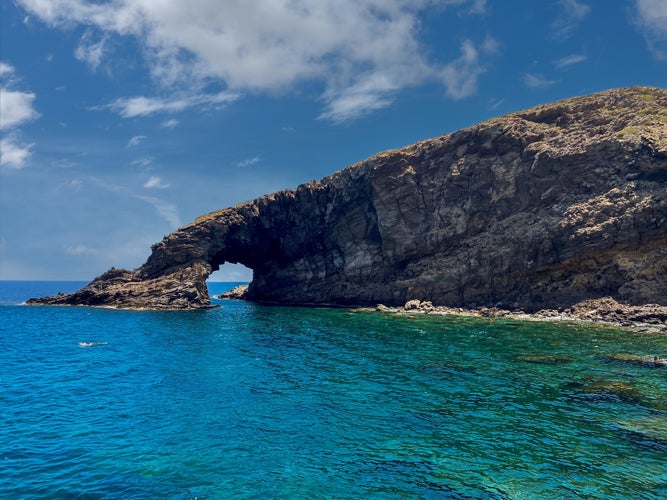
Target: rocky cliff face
[(546, 207)]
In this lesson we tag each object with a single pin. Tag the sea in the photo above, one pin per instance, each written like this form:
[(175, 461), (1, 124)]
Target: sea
[(258, 402)]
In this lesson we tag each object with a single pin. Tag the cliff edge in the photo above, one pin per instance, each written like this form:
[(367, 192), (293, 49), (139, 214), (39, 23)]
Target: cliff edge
[(543, 208)]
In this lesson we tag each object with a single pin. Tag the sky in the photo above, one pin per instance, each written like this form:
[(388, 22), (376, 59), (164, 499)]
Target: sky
[(122, 120)]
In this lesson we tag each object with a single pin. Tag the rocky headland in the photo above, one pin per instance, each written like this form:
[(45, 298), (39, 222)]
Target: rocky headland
[(562, 207)]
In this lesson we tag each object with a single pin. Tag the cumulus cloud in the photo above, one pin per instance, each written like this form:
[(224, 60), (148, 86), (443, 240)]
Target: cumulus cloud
[(16, 109), (571, 15), (14, 153), (652, 19), (5, 70), (362, 52)]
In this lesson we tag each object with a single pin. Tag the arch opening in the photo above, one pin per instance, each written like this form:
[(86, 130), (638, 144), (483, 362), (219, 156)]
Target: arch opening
[(227, 277), (229, 272)]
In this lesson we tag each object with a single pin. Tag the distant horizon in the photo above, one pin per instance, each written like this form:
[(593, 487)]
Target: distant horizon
[(221, 276), (123, 121)]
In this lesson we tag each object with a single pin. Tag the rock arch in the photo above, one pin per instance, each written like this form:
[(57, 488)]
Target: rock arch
[(539, 209)]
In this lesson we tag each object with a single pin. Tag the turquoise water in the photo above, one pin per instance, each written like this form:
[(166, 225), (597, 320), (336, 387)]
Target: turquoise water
[(249, 401)]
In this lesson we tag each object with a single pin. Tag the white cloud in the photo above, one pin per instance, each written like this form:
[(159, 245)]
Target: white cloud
[(490, 46), (6, 70), (477, 7), (13, 153), (136, 140), (81, 250), (652, 19), (155, 182), (73, 185), (64, 163), (368, 94), (16, 108), (171, 123), (465, 6), (89, 51), (168, 211), (494, 104), (570, 60), (143, 162), (572, 14), (248, 162), (362, 52), (143, 106), (461, 75), (537, 81)]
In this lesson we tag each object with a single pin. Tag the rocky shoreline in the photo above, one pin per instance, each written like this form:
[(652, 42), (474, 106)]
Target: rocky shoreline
[(650, 318)]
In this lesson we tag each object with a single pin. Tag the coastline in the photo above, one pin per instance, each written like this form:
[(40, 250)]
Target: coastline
[(606, 311), (649, 318)]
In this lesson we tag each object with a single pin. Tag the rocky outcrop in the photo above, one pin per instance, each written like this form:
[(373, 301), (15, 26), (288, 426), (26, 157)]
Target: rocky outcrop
[(647, 318), (543, 208), (237, 293)]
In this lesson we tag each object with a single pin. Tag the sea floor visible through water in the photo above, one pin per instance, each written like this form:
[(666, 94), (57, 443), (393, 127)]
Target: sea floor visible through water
[(253, 401)]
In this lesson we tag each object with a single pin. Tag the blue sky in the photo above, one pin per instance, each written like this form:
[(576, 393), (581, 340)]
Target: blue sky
[(123, 120)]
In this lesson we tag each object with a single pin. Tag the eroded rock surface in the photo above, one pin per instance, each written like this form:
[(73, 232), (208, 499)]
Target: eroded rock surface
[(543, 208)]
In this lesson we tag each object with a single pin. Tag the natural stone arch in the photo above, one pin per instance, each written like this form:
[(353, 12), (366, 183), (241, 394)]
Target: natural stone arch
[(520, 210)]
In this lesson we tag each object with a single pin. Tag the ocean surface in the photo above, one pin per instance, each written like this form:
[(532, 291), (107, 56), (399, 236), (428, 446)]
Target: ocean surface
[(250, 401)]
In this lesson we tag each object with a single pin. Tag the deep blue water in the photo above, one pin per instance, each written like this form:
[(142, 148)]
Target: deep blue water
[(250, 401)]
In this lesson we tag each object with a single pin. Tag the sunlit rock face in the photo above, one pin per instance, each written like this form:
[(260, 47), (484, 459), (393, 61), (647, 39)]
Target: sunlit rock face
[(541, 208)]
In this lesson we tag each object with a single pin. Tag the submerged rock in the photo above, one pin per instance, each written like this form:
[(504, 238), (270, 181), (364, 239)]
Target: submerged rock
[(621, 390), (541, 209), (607, 389), (653, 427), (544, 359), (650, 361)]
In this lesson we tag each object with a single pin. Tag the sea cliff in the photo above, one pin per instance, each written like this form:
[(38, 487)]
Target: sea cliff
[(548, 207)]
